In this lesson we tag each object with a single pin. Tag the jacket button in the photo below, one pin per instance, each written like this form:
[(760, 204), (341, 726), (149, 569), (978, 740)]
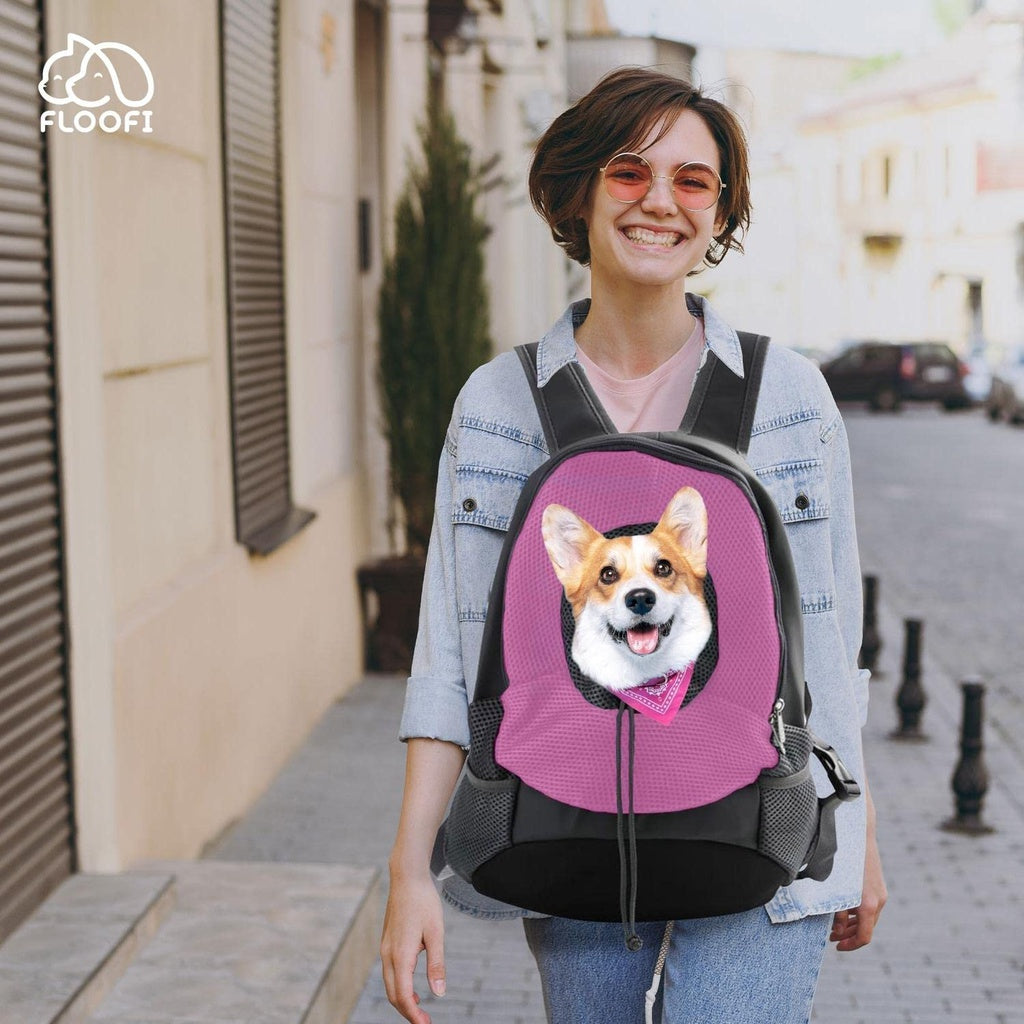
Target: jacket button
[(802, 502), (469, 505)]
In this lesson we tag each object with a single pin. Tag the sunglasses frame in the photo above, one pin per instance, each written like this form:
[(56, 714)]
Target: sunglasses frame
[(668, 177)]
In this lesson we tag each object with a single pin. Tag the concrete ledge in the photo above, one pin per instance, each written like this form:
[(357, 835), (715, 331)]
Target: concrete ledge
[(61, 963), (344, 980), (253, 943)]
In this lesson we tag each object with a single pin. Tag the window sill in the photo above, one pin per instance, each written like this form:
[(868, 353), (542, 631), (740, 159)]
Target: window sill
[(270, 538)]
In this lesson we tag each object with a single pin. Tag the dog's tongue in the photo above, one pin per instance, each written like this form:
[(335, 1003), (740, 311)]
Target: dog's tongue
[(642, 639)]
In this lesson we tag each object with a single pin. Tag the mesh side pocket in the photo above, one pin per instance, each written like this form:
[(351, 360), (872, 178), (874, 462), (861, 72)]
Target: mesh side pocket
[(480, 822), (798, 753), (484, 720), (789, 819)]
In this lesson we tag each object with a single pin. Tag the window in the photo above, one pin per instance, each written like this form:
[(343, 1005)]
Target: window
[(264, 514)]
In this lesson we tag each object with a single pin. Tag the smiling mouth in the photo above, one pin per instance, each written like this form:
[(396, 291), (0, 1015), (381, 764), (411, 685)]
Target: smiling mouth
[(643, 236), (644, 637)]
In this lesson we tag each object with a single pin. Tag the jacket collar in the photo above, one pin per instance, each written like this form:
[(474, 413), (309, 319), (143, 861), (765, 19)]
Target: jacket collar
[(558, 346)]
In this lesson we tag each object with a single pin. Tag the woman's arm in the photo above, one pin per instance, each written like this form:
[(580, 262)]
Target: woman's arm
[(852, 929), (435, 723), (413, 921)]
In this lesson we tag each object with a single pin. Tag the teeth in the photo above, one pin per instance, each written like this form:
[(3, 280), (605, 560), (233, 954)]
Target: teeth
[(642, 235)]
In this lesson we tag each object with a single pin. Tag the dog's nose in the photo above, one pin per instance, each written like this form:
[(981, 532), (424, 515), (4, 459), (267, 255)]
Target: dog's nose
[(641, 601)]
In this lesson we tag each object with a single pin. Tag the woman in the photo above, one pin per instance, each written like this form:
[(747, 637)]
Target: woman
[(643, 180)]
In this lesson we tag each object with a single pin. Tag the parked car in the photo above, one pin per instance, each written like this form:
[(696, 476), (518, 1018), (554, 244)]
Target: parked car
[(887, 374), (1006, 396)]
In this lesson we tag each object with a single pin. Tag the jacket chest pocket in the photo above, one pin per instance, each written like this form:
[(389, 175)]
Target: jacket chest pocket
[(801, 494), (799, 489), (492, 465), (486, 495)]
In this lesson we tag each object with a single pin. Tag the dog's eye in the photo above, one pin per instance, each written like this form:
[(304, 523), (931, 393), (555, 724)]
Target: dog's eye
[(662, 567), (609, 575)]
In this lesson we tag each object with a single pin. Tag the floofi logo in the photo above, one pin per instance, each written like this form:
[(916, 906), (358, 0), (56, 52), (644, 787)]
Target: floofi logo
[(85, 75)]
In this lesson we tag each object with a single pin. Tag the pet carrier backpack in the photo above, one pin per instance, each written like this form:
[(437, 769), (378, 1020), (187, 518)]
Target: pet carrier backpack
[(639, 743)]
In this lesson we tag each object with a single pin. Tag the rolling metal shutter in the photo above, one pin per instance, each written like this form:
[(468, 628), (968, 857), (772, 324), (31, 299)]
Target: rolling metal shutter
[(264, 514), (36, 844)]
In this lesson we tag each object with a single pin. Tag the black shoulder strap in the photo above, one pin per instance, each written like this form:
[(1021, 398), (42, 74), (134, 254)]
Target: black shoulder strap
[(568, 408), (722, 405)]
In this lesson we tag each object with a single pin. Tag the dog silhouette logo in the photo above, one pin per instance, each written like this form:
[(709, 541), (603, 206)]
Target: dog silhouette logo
[(92, 75)]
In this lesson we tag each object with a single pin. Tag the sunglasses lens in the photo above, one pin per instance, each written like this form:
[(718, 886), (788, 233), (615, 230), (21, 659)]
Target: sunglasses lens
[(696, 186), (627, 178)]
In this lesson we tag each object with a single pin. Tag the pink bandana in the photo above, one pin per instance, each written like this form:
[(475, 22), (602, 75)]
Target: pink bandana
[(661, 697)]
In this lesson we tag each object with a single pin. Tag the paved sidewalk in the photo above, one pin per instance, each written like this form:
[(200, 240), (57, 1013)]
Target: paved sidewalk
[(950, 946)]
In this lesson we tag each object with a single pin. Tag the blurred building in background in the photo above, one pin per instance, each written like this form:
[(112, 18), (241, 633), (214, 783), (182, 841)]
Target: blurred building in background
[(923, 164), (890, 206), (769, 90)]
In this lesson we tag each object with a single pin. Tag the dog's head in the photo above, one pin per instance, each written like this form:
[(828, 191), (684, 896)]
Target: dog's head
[(638, 601)]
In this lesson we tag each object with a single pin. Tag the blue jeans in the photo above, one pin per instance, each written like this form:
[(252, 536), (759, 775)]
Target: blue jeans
[(739, 968)]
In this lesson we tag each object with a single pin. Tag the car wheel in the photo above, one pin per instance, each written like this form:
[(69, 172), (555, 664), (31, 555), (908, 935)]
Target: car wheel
[(886, 400), (993, 413)]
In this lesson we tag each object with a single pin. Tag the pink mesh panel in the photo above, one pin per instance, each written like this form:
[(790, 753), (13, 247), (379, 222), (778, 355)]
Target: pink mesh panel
[(560, 744)]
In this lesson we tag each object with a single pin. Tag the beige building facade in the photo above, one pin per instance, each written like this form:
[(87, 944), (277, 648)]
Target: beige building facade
[(198, 651), (196, 666)]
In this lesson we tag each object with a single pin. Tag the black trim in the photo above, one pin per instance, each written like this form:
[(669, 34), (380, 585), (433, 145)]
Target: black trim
[(569, 409), (539, 818), (754, 371), (722, 404), (579, 878)]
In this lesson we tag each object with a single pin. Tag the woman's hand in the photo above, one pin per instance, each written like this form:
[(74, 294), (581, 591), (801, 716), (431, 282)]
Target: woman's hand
[(852, 929), (413, 922)]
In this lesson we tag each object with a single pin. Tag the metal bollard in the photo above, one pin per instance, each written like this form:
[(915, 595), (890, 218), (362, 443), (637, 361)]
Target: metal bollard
[(970, 779), (871, 643), (910, 698)]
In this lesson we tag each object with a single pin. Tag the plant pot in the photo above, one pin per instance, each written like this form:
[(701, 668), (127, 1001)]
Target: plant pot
[(389, 595)]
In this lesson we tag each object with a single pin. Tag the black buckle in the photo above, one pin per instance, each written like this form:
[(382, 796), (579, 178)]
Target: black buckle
[(843, 782)]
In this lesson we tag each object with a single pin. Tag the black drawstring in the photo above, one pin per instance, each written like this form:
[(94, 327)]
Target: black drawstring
[(627, 866)]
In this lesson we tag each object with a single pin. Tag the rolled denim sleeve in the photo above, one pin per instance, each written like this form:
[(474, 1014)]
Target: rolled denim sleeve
[(436, 703), (845, 556)]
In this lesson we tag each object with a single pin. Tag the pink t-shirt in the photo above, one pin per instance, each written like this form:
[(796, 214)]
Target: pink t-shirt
[(655, 402)]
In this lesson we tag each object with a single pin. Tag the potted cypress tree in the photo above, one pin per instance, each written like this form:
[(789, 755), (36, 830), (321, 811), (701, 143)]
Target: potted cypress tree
[(433, 320)]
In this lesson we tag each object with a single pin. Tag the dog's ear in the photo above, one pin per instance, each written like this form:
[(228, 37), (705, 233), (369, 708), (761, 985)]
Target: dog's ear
[(686, 516), (567, 538)]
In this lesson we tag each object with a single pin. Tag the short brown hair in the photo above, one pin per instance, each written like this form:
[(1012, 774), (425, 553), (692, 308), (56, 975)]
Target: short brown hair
[(613, 117)]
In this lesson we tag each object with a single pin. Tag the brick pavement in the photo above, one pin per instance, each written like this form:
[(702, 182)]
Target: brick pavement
[(949, 947)]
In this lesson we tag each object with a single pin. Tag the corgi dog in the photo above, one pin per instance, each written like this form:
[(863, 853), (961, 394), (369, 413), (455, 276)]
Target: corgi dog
[(638, 601)]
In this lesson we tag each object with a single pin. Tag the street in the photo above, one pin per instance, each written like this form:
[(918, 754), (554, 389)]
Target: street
[(940, 520)]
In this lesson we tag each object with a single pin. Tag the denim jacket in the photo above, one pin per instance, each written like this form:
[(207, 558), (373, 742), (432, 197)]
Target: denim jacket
[(799, 451)]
